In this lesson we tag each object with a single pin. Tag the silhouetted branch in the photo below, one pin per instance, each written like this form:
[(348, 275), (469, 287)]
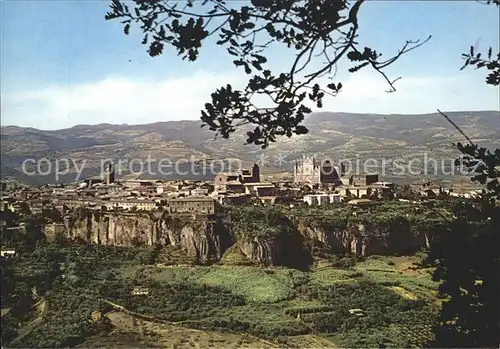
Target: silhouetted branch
[(456, 127), (379, 66), (313, 29)]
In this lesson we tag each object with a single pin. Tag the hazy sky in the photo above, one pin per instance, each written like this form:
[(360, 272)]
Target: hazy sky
[(63, 65)]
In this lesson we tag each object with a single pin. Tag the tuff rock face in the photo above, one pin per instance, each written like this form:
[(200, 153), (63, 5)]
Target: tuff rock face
[(111, 229), (200, 241), (207, 239), (364, 241), (198, 237)]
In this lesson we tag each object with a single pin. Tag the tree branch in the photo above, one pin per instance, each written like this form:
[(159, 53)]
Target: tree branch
[(456, 127)]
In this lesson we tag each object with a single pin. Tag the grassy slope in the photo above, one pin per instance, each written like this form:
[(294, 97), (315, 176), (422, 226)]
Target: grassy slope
[(255, 284), (279, 306), (139, 333), (271, 293)]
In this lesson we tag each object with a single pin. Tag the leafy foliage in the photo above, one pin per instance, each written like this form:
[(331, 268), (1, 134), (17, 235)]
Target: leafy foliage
[(67, 321), (468, 262), (257, 301), (264, 302), (22, 238), (174, 302), (483, 165), (326, 29), (262, 222), (470, 286), (491, 63), (380, 308), (53, 290)]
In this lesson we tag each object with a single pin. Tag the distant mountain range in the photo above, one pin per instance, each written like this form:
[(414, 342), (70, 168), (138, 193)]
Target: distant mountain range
[(331, 135)]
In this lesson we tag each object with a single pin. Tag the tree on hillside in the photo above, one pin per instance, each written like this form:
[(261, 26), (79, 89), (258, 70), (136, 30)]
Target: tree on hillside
[(315, 30), (468, 254), (467, 264)]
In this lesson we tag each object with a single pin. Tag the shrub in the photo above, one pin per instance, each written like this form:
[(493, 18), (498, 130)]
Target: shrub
[(234, 256), (347, 262), (307, 310), (329, 323)]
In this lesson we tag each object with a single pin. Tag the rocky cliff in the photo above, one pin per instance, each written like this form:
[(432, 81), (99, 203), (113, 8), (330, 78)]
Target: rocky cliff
[(286, 248), (202, 238), (279, 241), (111, 229), (198, 236), (362, 240)]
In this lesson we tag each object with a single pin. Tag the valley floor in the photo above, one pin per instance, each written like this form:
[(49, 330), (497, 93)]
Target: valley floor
[(272, 301)]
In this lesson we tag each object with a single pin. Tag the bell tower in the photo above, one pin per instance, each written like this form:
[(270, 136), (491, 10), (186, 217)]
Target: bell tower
[(255, 173), (109, 174)]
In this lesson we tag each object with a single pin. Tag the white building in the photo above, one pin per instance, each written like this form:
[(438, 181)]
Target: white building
[(199, 192), (317, 199), (335, 198)]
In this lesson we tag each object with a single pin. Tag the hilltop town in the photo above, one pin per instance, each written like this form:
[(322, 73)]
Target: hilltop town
[(215, 259), (201, 217), (315, 183)]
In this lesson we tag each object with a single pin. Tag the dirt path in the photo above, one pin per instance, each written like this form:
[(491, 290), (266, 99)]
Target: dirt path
[(163, 325), (168, 335)]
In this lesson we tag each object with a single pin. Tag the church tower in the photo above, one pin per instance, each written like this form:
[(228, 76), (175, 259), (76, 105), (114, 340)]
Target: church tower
[(255, 173), (109, 174)]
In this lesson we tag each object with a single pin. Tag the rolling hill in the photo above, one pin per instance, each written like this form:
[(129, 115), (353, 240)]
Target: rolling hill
[(331, 135)]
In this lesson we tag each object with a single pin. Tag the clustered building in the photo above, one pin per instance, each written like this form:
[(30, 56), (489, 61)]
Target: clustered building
[(331, 184), (314, 182), (104, 192)]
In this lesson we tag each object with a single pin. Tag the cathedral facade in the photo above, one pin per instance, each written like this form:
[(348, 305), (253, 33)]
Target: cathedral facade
[(310, 171)]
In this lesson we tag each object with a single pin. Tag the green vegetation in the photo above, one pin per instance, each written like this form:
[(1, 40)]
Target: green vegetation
[(380, 269), (174, 255), (379, 309), (254, 284), (234, 256), (260, 222), (172, 301), (324, 231), (281, 305), (53, 291), (58, 294), (379, 219)]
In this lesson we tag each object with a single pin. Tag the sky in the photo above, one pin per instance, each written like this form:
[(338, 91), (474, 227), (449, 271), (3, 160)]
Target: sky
[(63, 64)]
